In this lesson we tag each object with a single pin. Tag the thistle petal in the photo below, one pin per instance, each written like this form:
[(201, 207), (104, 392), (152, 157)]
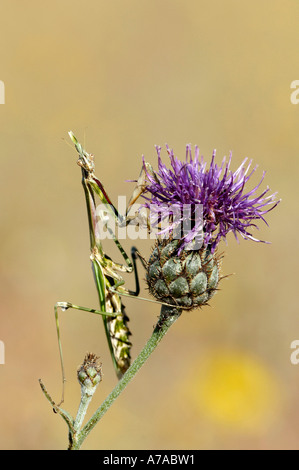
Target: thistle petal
[(227, 207)]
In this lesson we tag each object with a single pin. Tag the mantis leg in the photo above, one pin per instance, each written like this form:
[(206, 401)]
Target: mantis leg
[(65, 306)]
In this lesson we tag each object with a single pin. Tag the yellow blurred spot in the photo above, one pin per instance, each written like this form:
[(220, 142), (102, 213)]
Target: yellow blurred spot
[(235, 390)]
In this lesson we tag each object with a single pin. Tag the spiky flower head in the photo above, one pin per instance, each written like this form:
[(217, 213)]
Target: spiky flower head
[(184, 276), (227, 206)]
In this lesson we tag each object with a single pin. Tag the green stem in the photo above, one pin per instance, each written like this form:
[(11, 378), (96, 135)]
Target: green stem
[(167, 317), (84, 403)]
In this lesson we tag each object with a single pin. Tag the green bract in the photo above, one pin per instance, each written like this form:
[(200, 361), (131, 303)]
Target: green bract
[(187, 280)]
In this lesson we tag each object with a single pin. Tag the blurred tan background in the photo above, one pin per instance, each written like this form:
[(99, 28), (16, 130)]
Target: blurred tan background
[(126, 75)]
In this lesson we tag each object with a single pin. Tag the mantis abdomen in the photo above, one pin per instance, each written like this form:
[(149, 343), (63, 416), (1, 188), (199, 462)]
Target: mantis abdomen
[(117, 331)]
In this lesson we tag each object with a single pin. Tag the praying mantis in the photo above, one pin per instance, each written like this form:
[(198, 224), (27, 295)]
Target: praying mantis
[(107, 273)]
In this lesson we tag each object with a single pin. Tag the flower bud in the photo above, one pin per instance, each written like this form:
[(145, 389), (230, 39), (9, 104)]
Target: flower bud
[(90, 373)]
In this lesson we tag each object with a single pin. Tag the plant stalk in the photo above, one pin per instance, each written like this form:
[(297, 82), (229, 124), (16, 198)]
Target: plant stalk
[(168, 316)]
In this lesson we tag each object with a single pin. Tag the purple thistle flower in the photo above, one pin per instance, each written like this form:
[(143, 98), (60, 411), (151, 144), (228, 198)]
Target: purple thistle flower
[(227, 207)]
